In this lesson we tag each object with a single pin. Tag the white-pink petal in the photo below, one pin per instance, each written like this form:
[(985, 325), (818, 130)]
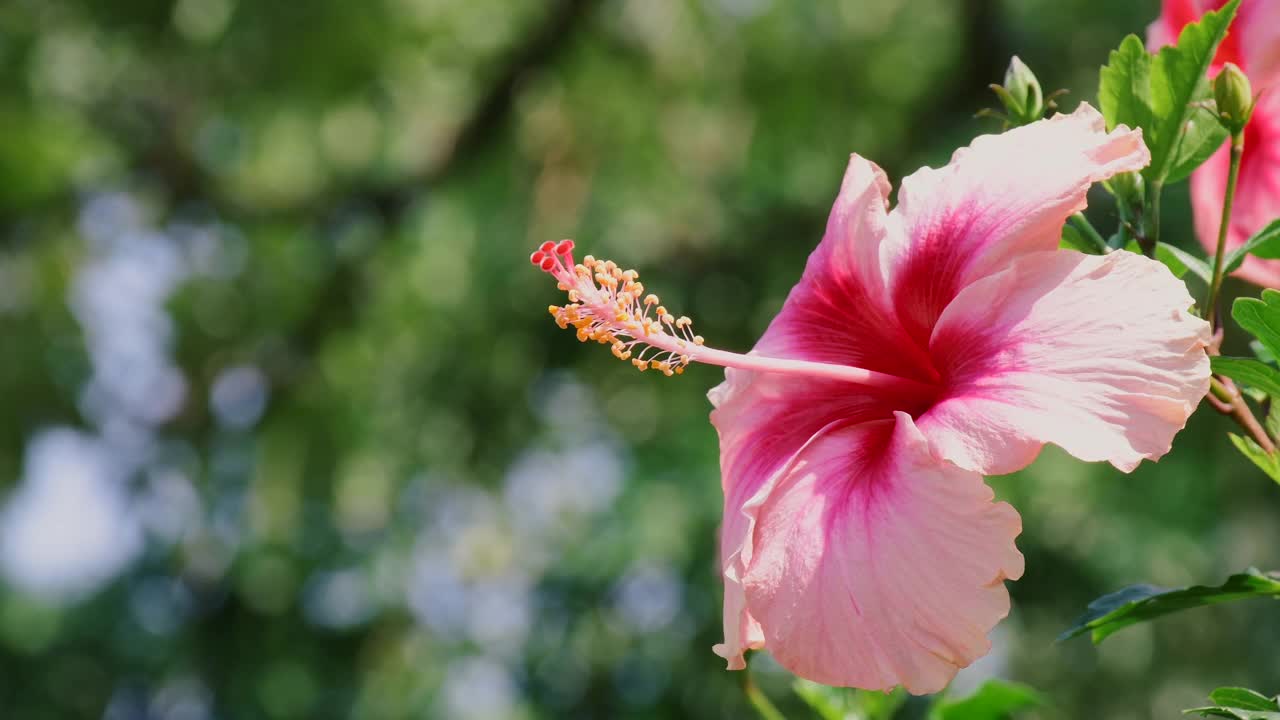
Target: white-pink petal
[(1096, 354), (873, 564), (1002, 197)]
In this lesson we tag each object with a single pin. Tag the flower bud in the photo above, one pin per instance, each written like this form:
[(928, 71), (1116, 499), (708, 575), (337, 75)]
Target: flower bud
[(1234, 96), (1024, 88), (1128, 187), (1021, 96)]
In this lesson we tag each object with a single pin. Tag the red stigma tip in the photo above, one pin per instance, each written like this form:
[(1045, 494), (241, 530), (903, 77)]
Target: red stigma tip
[(547, 246), (536, 257), (564, 247), (547, 263)]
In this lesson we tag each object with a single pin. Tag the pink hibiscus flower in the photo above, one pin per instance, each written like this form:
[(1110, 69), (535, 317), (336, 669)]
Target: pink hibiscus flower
[(1253, 44), (921, 349)]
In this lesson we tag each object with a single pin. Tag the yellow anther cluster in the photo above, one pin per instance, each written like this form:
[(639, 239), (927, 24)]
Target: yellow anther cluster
[(608, 305)]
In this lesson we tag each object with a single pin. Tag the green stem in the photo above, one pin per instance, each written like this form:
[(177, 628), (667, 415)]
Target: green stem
[(1130, 224), (758, 699), (1086, 228), (1152, 236), (1215, 287)]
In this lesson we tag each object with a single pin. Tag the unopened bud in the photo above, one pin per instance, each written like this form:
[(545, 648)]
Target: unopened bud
[(1234, 96), (1126, 186), (1023, 100), (1024, 88)]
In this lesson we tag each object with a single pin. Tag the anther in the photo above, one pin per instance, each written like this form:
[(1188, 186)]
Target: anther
[(608, 305)]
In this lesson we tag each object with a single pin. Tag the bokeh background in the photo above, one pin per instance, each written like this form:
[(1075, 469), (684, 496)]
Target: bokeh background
[(287, 432)]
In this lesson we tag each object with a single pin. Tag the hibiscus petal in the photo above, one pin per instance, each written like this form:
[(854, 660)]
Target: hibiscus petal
[(874, 564), (834, 314), (1253, 42), (1003, 196), (838, 312), (763, 420), (1174, 14), (1258, 26), (1095, 354)]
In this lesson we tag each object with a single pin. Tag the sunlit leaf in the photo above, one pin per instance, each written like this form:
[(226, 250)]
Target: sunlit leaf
[(1179, 129), (1202, 135), (1264, 244), (1073, 239), (995, 700), (1261, 352), (1167, 253), (1124, 86), (1140, 603), (830, 703), (1165, 95), (1239, 703), (1250, 372), (1179, 261), (834, 703), (1268, 463), (1235, 712), (1243, 698), (1261, 319)]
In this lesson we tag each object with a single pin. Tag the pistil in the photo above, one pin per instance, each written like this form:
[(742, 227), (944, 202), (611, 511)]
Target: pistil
[(609, 305)]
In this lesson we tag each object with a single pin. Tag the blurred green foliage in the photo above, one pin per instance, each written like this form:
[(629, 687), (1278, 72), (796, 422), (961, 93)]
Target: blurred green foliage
[(289, 434)]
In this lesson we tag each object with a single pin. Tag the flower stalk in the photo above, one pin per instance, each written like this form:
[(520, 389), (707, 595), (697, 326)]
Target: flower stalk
[(1219, 257), (1151, 238), (1090, 233), (759, 701), (1226, 398)]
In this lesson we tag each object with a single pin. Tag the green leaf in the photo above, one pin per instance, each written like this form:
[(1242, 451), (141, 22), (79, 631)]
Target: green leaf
[(1012, 104), (1261, 352), (1178, 79), (1250, 372), (833, 703), (1083, 232), (829, 703), (1266, 462), (1179, 261), (1124, 86), (1140, 603), (1264, 244), (1239, 703), (1171, 261), (1073, 239), (1261, 319), (1242, 698), (1165, 95), (1235, 713), (1202, 135), (1198, 267), (1272, 421), (995, 700)]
